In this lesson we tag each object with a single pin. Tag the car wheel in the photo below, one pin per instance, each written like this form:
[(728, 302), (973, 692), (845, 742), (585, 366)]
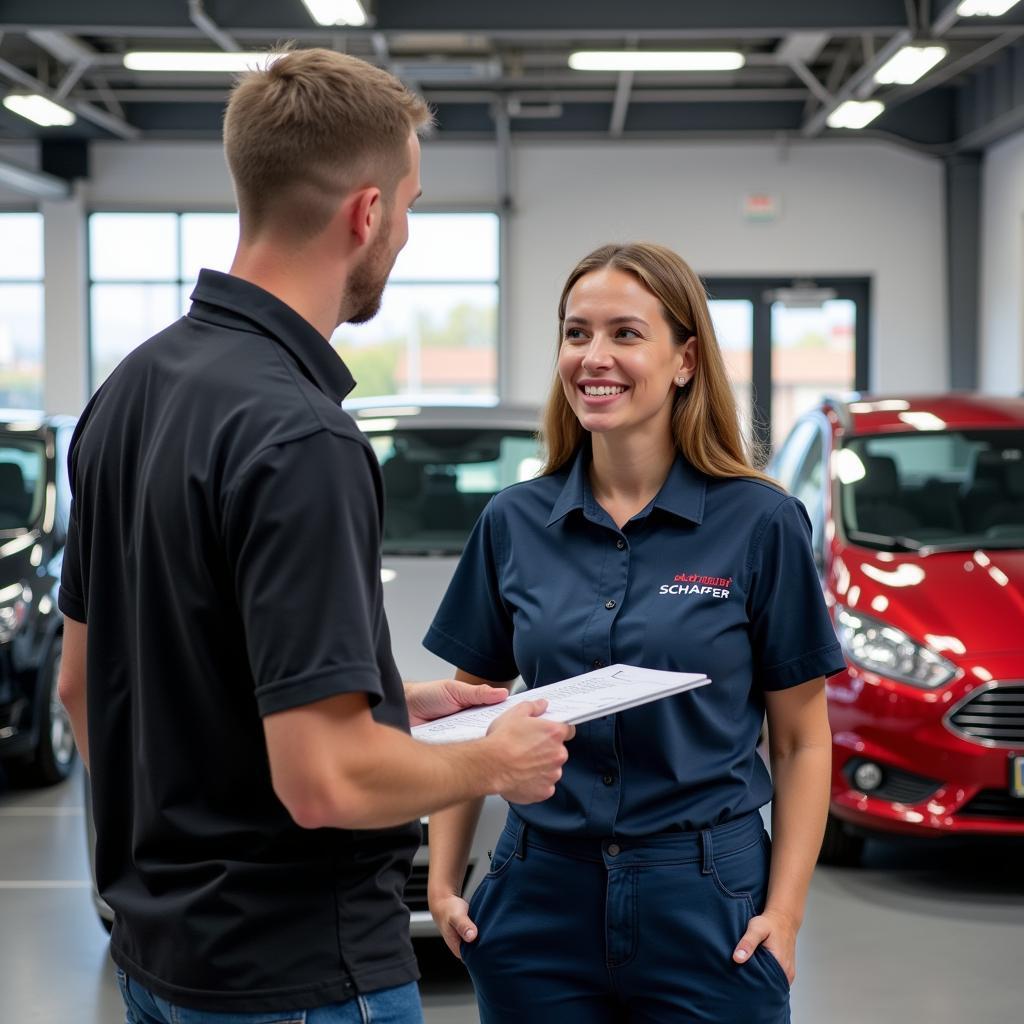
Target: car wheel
[(55, 752), (840, 847)]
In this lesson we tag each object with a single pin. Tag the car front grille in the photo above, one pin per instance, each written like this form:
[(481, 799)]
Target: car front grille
[(993, 717), (994, 803), (416, 888)]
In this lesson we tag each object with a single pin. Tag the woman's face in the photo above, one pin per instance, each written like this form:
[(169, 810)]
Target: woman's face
[(618, 361)]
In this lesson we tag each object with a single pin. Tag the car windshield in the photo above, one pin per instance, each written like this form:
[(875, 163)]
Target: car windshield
[(438, 480), (22, 481), (937, 489)]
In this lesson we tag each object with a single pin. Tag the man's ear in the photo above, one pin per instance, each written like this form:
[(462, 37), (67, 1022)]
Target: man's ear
[(363, 210)]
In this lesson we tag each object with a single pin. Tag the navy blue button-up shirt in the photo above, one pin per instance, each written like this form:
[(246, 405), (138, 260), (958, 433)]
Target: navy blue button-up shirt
[(714, 576)]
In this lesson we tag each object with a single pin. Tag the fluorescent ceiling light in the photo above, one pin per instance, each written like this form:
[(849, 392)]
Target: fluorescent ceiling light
[(39, 109), (909, 64), (984, 8), (204, 60), (336, 12), (656, 60), (855, 113)]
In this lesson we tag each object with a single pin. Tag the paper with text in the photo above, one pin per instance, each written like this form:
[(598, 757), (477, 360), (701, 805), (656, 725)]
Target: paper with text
[(578, 699)]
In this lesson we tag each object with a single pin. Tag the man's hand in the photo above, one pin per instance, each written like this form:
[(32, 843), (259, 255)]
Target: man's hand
[(427, 701), (531, 752), (777, 934)]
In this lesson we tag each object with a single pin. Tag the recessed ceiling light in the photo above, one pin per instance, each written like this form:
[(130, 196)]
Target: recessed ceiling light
[(984, 8), (336, 12), (39, 109), (656, 60), (203, 61), (855, 113), (908, 65)]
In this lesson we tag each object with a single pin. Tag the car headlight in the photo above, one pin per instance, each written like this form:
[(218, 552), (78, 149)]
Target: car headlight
[(884, 649), (13, 612)]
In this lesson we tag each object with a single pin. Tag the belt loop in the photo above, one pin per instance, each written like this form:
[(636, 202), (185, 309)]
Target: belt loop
[(707, 858), (521, 841)]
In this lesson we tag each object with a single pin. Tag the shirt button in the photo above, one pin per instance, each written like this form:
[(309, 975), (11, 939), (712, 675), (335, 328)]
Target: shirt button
[(620, 543), (609, 605), (608, 780), (614, 849), (598, 663)]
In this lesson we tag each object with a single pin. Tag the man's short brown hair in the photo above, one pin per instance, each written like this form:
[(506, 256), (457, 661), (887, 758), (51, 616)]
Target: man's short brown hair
[(301, 133)]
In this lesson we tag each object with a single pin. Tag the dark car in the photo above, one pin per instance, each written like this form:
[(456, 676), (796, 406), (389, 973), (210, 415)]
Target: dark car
[(35, 733)]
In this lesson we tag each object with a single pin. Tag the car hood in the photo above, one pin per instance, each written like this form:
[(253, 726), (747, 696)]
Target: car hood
[(958, 602), (413, 588)]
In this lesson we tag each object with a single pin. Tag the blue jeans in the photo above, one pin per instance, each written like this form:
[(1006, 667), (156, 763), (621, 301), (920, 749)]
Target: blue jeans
[(399, 1005)]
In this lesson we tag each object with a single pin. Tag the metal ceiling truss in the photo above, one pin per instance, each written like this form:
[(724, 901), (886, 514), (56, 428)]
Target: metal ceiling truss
[(499, 70)]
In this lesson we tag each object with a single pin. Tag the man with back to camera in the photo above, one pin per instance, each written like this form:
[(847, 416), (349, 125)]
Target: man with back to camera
[(247, 738)]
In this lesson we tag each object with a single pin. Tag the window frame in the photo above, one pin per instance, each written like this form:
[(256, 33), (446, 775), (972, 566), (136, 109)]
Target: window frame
[(39, 282), (178, 210)]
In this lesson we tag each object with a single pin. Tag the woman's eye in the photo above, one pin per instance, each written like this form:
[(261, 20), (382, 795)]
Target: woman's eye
[(573, 334), (628, 332)]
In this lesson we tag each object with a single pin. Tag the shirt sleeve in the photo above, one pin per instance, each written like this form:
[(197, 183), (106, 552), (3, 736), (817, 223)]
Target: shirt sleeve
[(302, 539), (71, 595), (791, 633), (473, 627)]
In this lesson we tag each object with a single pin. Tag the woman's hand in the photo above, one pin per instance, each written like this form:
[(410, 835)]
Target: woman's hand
[(427, 701), (451, 915), (778, 933)]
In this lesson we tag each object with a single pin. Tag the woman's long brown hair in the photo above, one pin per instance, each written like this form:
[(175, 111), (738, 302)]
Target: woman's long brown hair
[(705, 426)]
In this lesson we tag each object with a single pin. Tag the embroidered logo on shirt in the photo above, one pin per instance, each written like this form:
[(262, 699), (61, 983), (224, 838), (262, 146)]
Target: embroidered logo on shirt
[(694, 583)]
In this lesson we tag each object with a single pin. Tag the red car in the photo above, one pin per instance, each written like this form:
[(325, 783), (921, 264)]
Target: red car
[(917, 506)]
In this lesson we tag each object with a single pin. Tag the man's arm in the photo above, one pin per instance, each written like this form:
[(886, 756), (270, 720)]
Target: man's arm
[(333, 765), (71, 684)]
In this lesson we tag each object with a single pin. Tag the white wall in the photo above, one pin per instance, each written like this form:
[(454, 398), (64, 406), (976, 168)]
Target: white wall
[(850, 209), (847, 209), (1002, 268)]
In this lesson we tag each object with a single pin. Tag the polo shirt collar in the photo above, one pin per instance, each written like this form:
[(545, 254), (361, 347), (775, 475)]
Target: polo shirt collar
[(681, 495), (226, 299)]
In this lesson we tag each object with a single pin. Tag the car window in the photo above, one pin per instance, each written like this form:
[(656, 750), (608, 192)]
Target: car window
[(790, 456), (809, 486), (22, 481), (438, 480), (953, 489)]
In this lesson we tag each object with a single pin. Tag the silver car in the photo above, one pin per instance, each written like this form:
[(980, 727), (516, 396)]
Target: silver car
[(441, 465)]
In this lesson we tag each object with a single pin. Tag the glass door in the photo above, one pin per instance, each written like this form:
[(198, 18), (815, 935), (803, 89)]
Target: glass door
[(787, 342)]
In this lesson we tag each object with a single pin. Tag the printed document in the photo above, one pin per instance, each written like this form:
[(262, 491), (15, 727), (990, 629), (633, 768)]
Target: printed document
[(578, 699)]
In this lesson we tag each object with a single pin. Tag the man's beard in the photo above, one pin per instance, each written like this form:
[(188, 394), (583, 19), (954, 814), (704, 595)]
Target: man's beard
[(367, 281)]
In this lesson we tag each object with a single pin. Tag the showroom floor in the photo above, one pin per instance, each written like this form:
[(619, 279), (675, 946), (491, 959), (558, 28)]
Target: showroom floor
[(924, 932)]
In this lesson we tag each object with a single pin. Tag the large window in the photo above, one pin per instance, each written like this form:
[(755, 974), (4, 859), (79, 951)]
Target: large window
[(142, 269), (436, 332), (21, 311)]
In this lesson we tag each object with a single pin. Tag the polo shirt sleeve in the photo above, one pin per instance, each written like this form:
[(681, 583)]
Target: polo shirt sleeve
[(791, 634), (473, 627), (71, 595), (302, 539)]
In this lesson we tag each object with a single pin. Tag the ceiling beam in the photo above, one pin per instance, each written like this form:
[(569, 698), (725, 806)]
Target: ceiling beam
[(114, 125), (202, 21), (33, 183), (620, 105), (860, 84)]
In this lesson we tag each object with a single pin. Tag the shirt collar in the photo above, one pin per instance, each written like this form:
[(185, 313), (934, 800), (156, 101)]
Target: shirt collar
[(682, 494), (231, 301)]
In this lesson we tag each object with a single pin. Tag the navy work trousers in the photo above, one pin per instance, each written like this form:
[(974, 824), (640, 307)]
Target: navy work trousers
[(610, 931)]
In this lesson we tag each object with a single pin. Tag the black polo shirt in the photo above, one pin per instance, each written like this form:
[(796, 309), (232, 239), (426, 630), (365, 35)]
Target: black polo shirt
[(224, 550)]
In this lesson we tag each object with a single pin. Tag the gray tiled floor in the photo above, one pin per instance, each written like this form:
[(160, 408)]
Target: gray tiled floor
[(925, 932)]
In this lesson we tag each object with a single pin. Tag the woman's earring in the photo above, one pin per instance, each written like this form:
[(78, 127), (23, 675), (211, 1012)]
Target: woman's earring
[(681, 381)]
